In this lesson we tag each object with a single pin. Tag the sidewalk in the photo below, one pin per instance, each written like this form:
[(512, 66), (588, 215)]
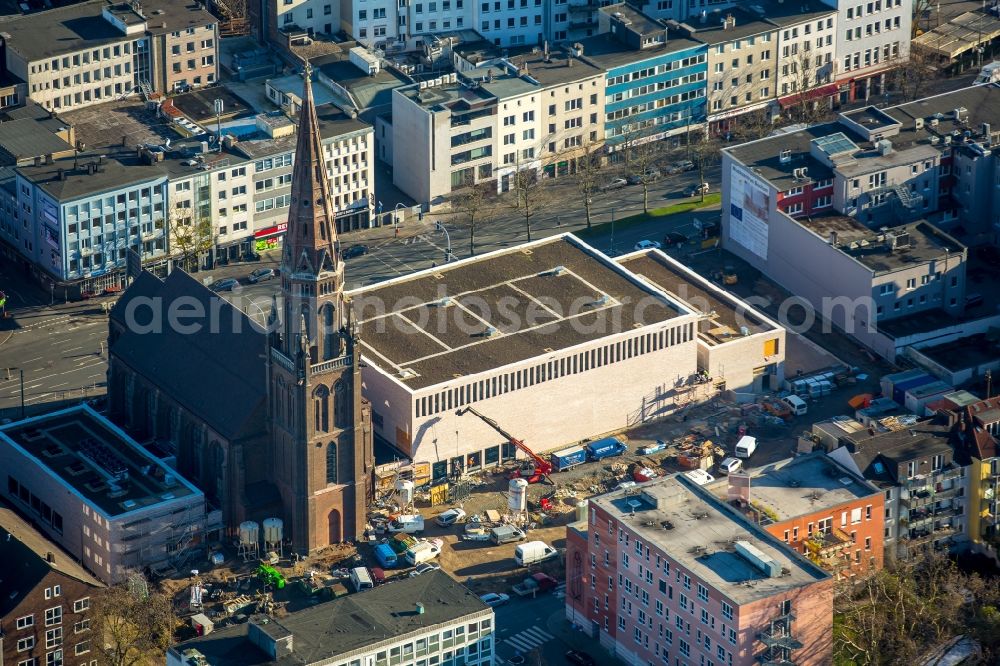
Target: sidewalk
[(559, 626)]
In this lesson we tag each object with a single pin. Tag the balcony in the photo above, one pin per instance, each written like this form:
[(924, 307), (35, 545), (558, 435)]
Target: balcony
[(332, 364), (779, 638)]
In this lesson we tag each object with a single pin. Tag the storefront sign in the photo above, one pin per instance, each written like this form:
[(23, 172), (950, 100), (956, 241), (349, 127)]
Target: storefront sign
[(271, 231)]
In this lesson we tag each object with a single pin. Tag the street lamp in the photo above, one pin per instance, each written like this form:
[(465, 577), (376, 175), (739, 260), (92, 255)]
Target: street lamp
[(395, 219), (447, 253)]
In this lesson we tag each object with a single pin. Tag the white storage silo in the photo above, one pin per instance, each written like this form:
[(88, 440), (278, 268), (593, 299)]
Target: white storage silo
[(249, 533), (273, 530), (581, 510), (518, 500), (404, 489)]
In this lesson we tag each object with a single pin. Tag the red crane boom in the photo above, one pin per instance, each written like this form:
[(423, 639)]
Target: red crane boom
[(542, 466)]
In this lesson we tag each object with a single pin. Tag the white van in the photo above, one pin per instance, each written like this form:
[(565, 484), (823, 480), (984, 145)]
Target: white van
[(424, 551), (534, 552), (361, 579), (796, 404), (699, 476), (746, 446)]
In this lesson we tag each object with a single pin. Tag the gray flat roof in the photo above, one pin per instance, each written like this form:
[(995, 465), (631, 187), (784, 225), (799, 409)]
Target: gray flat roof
[(635, 19), (969, 352), (799, 486), (609, 53), (27, 138), (95, 458), (328, 630), (713, 31), (697, 530), (728, 313), (924, 242), (77, 182), (503, 307), (78, 27), (561, 68), (368, 91), (981, 104)]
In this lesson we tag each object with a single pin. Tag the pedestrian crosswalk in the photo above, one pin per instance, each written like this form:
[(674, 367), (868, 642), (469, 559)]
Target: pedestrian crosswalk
[(529, 639)]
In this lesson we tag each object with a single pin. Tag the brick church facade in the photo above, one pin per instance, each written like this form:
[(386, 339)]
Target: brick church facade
[(267, 423)]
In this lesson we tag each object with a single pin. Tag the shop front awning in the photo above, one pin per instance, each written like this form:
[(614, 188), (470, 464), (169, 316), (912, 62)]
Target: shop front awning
[(808, 95)]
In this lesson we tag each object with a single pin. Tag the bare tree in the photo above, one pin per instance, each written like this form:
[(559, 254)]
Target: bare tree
[(131, 626), (753, 125), (913, 75), (921, 10), (474, 205), (588, 174), (189, 237), (644, 157), (705, 152), (532, 195)]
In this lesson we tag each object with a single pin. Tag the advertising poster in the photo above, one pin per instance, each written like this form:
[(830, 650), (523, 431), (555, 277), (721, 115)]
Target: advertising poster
[(749, 208)]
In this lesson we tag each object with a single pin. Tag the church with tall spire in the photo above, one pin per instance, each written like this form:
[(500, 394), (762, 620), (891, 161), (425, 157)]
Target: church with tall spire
[(269, 423), (322, 457)]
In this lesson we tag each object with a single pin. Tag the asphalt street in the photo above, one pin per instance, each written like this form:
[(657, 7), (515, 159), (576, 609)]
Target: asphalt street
[(60, 346), (537, 630)]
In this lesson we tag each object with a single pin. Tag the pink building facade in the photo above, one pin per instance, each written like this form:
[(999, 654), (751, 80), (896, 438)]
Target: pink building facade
[(671, 575)]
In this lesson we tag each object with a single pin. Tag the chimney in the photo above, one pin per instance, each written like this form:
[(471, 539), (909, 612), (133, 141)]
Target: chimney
[(62, 175), (48, 158), (729, 23), (50, 557)]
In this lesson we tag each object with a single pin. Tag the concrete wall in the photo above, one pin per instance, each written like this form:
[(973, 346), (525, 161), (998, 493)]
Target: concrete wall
[(547, 415)]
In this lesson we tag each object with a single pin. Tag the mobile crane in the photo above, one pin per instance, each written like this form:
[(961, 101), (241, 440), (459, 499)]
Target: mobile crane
[(542, 467)]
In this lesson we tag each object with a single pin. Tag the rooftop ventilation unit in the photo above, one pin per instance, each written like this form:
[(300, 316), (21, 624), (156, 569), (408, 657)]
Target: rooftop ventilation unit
[(785, 156), (443, 303), (918, 123), (935, 140), (758, 558), (935, 122)]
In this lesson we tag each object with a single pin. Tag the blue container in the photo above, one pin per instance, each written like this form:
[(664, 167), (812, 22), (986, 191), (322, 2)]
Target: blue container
[(563, 460)]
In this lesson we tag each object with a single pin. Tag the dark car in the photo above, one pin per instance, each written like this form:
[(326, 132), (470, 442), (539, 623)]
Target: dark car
[(260, 275), (354, 251), (580, 658), (226, 284), (674, 238), (681, 167), (647, 176)]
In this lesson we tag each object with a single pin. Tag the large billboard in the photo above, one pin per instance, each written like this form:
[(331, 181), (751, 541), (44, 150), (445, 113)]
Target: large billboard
[(749, 209)]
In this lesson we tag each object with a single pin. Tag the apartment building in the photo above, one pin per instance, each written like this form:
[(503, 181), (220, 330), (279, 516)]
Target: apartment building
[(880, 187), (534, 374), (806, 46), (872, 37), (739, 348), (926, 487), (832, 516), (290, 19), (669, 573), (45, 613), (430, 618), (655, 77), (94, 491), (975, 432), (96, 52), (80, 216)]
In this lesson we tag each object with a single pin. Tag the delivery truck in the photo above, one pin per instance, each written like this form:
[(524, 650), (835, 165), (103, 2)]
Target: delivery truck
[(567, 458), (605, 448), (409, 524), (425, 551), (534, 552)]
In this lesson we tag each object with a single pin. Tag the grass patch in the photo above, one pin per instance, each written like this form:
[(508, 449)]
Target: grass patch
[(711, 199)]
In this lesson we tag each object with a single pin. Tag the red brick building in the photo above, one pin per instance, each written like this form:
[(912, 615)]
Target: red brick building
[(44, 600), (829, 514), (668, 573)]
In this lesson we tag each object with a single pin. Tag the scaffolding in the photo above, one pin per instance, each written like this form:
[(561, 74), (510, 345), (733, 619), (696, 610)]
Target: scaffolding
[(232, 15)]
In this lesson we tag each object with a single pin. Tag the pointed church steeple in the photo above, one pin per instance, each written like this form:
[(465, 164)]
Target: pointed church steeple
[(311, 244)]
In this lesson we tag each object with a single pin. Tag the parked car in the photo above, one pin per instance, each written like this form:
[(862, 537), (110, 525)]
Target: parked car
[(260, 275), (730, 466), (647, 245), (647, 176), (424, 567), (494, 599), (615, 184), (226, 284), (649, 449), (681, 167), (674, 238), (450, 517), (532, 585), (695, 190), (354, 251), (579, 658)]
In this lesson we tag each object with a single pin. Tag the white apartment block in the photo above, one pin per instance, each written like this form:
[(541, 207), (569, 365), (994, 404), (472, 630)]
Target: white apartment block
[(309, 16), (872, 36), (491, 121), (97, 52), (99, 494), (807, 48)]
